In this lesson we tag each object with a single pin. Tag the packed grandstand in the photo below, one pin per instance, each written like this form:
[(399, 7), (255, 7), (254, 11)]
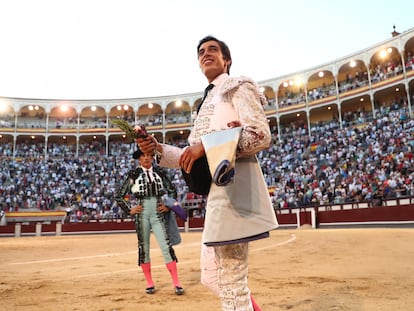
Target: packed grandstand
[(343, 132)]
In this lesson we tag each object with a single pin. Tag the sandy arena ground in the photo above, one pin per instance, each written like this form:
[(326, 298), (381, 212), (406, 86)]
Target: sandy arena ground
[(305, 269)]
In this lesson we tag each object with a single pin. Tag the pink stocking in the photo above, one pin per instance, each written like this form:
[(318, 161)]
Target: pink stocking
[(255, 305), (146, 268), (172, 267)]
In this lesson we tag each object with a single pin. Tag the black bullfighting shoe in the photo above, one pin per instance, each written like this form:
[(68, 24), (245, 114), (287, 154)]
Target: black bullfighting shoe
[(179, 290), (150, 290)]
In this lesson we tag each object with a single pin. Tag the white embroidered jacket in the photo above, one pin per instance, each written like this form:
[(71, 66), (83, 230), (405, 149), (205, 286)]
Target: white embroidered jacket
[(231, 99)]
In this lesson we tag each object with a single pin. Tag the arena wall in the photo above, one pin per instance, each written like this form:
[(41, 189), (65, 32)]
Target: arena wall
[(399, 213)]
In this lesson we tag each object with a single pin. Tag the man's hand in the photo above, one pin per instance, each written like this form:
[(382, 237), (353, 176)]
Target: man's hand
[(232, 124), (163, 208), (190, 155), (148, 144), (136, 210)]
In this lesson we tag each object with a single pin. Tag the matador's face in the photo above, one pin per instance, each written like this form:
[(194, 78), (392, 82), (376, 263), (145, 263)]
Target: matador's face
[(211, 60), (146, 160)]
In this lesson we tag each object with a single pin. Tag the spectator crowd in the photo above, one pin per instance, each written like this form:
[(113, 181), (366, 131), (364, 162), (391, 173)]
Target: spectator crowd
[(364, 161)]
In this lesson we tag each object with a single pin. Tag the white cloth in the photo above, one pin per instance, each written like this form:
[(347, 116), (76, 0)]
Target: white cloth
[(208, 266), (239, 210), (220, 148)]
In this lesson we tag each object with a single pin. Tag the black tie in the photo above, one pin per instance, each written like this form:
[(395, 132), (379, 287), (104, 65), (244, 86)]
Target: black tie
[(208, 88), (148, 176)]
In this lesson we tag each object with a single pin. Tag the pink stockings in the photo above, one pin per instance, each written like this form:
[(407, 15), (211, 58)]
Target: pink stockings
[(172, 268)]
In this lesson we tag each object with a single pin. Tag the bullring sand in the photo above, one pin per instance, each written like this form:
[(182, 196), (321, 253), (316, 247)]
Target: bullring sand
[(301, 270)]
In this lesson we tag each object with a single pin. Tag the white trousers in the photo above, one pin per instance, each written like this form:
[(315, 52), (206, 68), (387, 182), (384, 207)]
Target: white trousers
[(224, 271)]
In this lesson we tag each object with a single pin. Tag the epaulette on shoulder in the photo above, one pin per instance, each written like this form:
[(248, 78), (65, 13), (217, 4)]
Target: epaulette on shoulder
[(133, 174), (233, 83)]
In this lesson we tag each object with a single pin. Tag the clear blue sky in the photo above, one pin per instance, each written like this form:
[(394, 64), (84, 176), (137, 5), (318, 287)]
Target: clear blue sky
[(96, 49)]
